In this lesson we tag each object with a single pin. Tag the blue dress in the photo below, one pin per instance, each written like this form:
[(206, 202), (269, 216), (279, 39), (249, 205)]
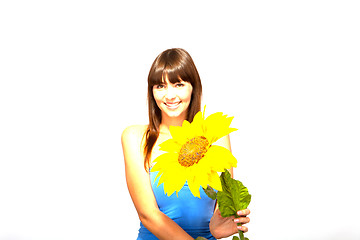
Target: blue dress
[(190, 213)]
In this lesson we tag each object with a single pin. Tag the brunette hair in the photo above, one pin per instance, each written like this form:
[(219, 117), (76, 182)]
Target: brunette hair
[(176, 64)]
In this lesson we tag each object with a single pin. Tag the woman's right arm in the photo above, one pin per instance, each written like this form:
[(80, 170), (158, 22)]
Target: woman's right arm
[(139, 185)]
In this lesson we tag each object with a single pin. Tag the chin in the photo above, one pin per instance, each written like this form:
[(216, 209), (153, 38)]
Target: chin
[(174, 113)]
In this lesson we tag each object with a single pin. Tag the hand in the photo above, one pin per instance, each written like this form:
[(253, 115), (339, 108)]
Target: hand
[(223, 227)]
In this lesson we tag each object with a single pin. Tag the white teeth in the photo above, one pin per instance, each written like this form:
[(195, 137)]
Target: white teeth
[(172, 105)]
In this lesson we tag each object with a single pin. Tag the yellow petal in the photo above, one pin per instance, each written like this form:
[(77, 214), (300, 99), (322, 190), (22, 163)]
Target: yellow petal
[(167, 172), (217, 126), (194, 188), (178, 134), (200, 174), (214, 181), (163, 161), (170, 146), (204, 165), (171, 185), (185, 124), (220, 158), (197, 125), (174, 184)]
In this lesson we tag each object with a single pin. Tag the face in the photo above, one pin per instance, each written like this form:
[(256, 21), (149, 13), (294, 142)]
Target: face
[(173, 99)]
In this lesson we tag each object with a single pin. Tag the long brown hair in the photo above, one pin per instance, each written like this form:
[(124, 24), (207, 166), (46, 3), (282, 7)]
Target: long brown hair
[(176, 64)]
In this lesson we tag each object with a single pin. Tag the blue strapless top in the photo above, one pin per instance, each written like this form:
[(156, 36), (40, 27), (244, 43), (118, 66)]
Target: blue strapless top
[(190, 213)]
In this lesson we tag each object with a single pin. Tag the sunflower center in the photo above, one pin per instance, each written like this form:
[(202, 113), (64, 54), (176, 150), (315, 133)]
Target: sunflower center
[(192, 151)]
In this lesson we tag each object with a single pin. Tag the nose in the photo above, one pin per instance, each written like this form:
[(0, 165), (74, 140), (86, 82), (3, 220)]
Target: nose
[(170, 93)]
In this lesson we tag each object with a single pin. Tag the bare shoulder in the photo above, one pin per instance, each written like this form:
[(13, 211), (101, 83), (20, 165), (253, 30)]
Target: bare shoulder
[(132, 143), (133, 132)]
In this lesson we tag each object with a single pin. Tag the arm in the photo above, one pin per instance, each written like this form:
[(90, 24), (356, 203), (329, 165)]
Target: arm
[(139, 186)]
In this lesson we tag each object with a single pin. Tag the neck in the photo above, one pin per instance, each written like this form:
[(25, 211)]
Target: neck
[(166, 122)]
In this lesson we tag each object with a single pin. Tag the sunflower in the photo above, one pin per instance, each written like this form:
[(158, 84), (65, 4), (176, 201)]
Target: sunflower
[(190, 156)]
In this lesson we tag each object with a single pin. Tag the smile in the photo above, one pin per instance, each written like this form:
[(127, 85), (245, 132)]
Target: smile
[(172, 105)]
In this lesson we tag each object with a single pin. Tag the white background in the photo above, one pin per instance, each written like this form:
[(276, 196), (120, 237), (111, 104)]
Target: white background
[(73, 76)]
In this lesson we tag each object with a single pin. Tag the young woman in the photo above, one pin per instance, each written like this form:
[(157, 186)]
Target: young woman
[(174, 95)]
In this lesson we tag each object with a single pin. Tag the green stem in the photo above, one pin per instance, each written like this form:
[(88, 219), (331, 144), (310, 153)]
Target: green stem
[(241, 234)]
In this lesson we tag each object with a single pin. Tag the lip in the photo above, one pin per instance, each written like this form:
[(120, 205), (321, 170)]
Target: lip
[(172, 105)]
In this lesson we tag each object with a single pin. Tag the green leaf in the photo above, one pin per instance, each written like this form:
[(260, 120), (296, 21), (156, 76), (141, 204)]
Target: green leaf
[(210, 192), (234, 197), (235, 238), (200, 238)]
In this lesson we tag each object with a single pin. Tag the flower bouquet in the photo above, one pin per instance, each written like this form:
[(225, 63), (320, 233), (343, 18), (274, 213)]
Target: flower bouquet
[(191, 156)]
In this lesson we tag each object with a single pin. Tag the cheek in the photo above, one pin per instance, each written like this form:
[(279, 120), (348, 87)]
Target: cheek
[(187, 94), (157, 95)]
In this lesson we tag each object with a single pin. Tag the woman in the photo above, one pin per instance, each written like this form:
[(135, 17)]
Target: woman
[(174, 95)]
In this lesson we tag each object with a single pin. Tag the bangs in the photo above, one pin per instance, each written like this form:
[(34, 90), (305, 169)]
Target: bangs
[(174, 72)]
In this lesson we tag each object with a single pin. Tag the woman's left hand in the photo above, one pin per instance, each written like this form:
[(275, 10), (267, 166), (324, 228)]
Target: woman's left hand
[(223, 227)]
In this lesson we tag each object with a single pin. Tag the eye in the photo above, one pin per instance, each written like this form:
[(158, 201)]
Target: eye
[(179, 85), (159, 86)]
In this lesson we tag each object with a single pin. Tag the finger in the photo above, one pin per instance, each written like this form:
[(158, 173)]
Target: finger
[(242, 228), (243, 212), (242, 220)]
